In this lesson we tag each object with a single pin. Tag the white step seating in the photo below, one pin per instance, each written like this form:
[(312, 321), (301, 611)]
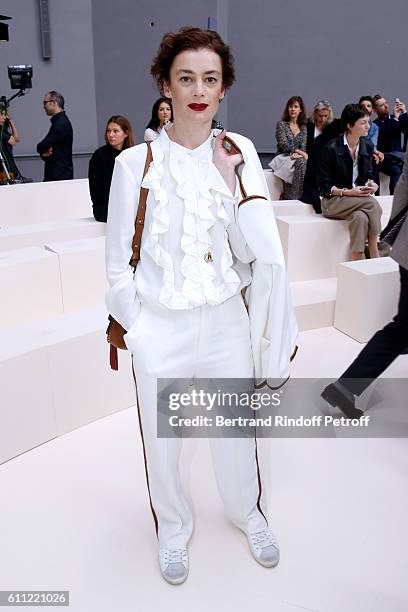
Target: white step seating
[(30, 286), (44, 202), (367, 296), (55, 377), (292, 207), (38, 234), (313, 246), (83, 275), (314, 302), (52, 324), (275, 184)]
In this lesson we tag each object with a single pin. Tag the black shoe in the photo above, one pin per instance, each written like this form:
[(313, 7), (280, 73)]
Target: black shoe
[(339, 397)]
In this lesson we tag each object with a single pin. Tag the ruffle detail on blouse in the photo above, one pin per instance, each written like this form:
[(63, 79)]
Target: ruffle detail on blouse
[(200, 189)]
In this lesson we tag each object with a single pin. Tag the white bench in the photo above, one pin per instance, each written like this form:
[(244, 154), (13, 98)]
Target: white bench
[(291, 207), (275, 184), (313, 246), (38, 234), (367, 296), (55, 377), (30, 286), (82, 268), (44, 202)]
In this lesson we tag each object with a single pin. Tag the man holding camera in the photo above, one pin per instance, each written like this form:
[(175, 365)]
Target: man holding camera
[(56, 148)]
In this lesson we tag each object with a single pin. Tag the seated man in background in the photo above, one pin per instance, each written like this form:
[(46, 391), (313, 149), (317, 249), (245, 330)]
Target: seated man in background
[(367, 103), (390, 127)]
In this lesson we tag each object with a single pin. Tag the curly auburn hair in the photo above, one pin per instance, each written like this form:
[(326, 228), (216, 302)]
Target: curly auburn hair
[(191, 38)]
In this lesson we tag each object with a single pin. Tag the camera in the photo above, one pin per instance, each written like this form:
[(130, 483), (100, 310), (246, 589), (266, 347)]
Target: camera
[(20, 76)]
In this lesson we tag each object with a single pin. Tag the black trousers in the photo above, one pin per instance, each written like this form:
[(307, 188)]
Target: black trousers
[(383, 347), (391, 167)]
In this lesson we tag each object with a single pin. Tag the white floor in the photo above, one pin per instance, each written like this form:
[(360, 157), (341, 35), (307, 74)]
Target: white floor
[(75, 516)]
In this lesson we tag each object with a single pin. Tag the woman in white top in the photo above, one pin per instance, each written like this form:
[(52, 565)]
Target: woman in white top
[(162, 115), (183, 309)]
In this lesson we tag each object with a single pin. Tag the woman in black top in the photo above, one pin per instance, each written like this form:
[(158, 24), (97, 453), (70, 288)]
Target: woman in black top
[(118, 136), (322, 127), (345, 182)]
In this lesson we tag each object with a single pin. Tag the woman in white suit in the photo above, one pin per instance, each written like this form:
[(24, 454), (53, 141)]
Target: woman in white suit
[(183, 309)]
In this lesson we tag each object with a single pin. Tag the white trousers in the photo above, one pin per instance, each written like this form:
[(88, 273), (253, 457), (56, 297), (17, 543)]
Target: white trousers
[(205, 342)]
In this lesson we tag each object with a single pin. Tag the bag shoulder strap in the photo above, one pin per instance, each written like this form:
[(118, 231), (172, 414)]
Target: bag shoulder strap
[(230, 145), (141, 213)]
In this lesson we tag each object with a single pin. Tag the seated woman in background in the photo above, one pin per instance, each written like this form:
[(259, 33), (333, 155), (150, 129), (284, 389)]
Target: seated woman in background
[(322, 115), (321, 128), (118, 136), (291, 135), (345, 182), (162, 114)]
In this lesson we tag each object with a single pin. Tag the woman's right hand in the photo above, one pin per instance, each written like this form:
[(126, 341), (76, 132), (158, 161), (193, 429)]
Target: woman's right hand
[(359, 191)]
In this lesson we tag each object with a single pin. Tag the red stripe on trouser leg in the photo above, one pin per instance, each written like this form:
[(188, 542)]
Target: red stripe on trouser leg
[(156, 523), (258, 503), (113, 357)]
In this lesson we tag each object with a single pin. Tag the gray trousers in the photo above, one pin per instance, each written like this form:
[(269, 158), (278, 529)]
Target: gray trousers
[(363, 215)]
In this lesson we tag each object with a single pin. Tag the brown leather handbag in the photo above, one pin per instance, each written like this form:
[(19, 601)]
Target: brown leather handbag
[(115, 331)]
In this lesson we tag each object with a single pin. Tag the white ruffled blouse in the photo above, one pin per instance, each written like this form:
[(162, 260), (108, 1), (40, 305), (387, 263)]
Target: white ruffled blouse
[(190, 213)]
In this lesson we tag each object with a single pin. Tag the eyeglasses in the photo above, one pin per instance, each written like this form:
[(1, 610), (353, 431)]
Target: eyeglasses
[(45, 102)]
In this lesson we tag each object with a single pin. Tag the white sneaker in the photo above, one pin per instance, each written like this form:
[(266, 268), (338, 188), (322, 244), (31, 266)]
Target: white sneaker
[(174, 564), (264, 547)]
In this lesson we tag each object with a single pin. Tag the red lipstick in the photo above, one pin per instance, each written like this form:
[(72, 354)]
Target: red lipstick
[(198, 107)]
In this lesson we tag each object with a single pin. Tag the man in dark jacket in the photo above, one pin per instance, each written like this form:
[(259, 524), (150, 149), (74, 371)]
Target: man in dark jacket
[(391, 128), (56, 148)]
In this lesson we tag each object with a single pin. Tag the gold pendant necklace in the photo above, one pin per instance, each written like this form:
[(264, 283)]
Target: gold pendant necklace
[(208, 258)]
